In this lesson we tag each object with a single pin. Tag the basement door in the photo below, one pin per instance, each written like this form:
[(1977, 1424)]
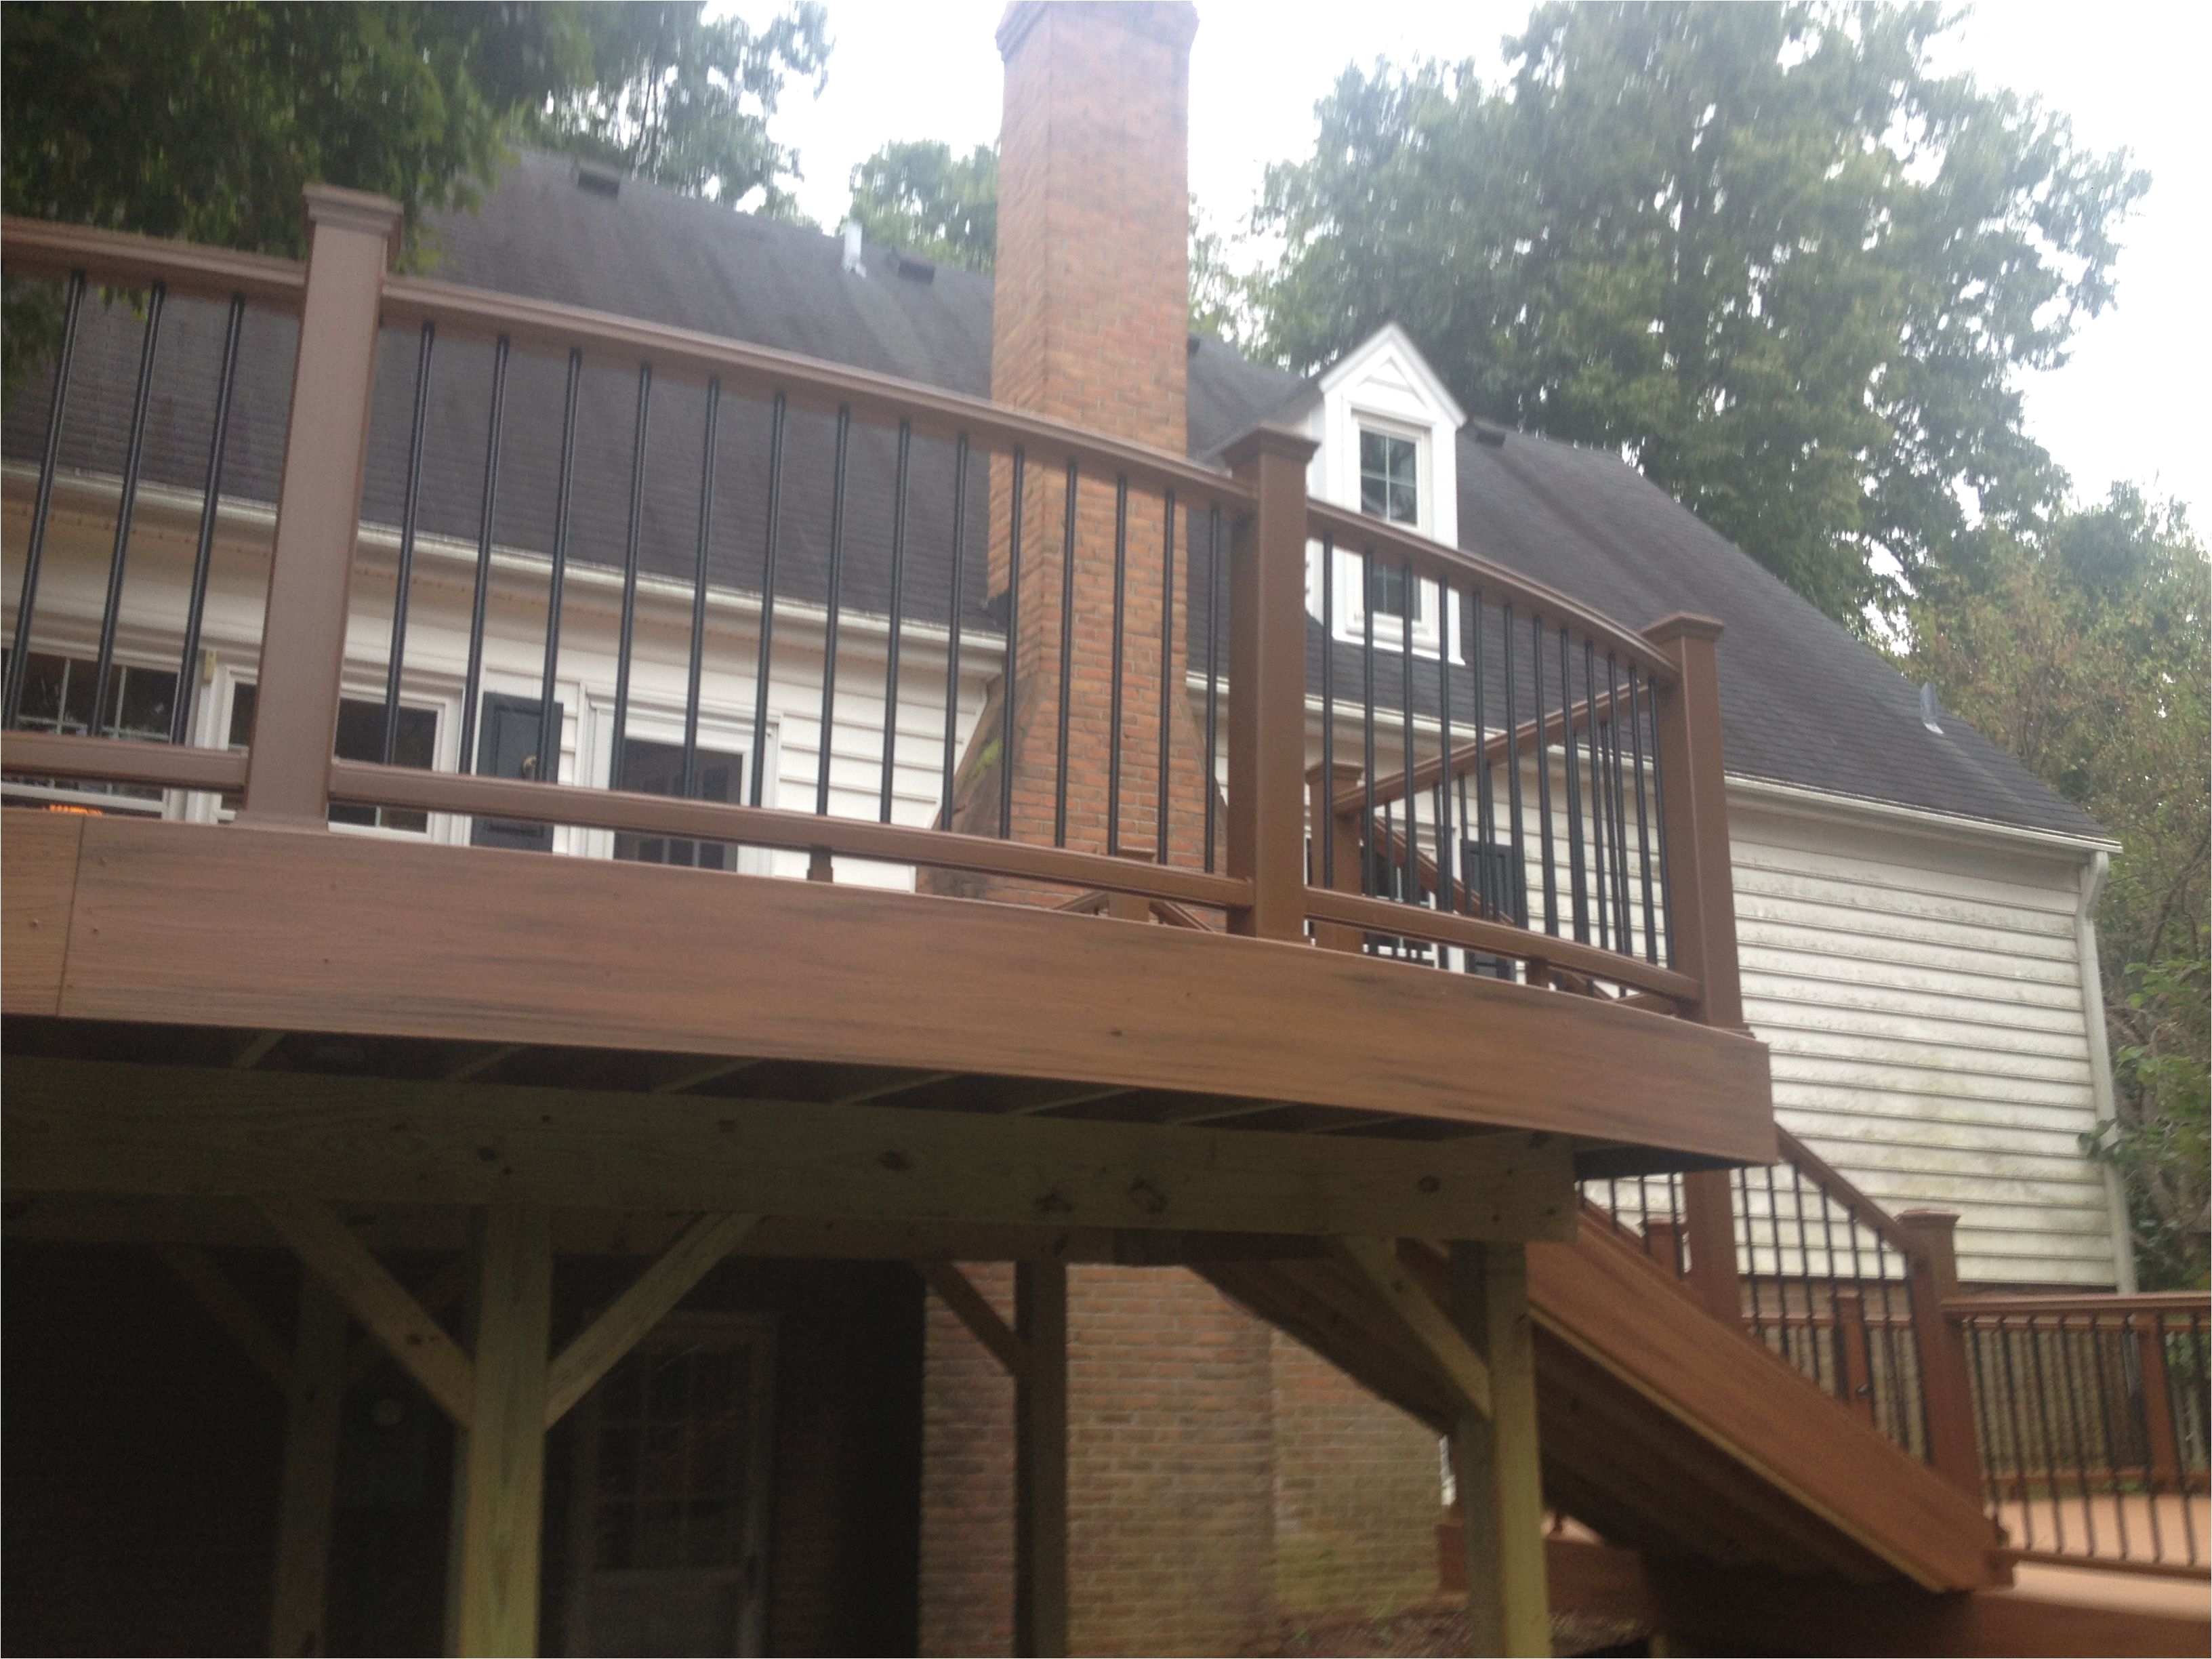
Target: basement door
[(668, 1525)]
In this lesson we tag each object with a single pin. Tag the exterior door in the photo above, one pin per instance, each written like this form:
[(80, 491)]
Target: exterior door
[(506, 747), (668, 1526)]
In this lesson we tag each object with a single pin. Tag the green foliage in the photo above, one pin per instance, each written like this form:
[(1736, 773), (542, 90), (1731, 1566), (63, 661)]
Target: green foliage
[(1763, 251), (684, 100), (919, 197), (2084, 648), (1223, 296)]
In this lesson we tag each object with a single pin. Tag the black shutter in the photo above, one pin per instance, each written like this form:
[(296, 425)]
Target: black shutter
[(506, 747)]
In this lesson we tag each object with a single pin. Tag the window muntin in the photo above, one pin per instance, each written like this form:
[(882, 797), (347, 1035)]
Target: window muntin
[(58, 697), (1390, 476), (657, 768), (360, 737)]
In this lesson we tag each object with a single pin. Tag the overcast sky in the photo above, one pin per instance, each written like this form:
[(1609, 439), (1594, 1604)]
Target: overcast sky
[(2129, 405)]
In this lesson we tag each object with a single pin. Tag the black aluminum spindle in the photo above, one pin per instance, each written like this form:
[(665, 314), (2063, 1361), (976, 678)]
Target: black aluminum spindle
[(2043, 1409), (19, 658), (1167, 670), (952, 626), (1447, 849), (134, 457), (472, 680), (1570, 754), (1067, 690), (2070, 1401), (836, 598), (1642, 822), (1828, 1252), (1405, 730), (1485, 824), (180, 715), (1751, 1257), (1543, 774), (2136, 1405), (1805, 1278), (1894, 1396), (1601, 800), (2195, 1394), (403, 580), (2108, 1433), (1369, 864), (1214, 591), (1389, 841), (1624, 912), (1988, 1420), (898, 606), (697, 665), (548, 723), (1113, 699), (2023, 1441), (772, 535), (1518, 882), (1013, 655), (1781, 1279), (626, 639), (1326, 828)]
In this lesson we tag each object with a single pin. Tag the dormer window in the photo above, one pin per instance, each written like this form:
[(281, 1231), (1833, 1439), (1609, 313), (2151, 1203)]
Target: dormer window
[(1389, 478)]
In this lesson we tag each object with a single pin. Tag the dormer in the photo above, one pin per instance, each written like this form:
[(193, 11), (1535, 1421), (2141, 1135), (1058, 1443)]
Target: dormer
[(1386, 423)]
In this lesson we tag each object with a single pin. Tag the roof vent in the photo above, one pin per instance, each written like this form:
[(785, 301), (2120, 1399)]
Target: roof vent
[(914, 270), (854, 267), (600, 181), (1486, 433), (1930, 709)]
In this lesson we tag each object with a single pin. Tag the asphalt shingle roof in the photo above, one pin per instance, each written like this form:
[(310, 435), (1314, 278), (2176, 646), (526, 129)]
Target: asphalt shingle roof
[(1803, 702)]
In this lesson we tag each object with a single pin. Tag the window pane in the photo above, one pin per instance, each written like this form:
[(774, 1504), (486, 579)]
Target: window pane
[(1390, 476), (360, 737), (657, 768), (42, 679), (149, 696)]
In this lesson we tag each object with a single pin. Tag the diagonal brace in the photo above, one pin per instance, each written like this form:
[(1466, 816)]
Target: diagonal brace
[(1374, 1262)]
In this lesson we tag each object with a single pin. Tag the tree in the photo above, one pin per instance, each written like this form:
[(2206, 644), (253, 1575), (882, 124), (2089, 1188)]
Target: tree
[(1765, 251), (684, 100), (917, 195), (2085, 650)]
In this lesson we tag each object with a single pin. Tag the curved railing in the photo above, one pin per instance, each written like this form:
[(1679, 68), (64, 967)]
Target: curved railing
[(808, 613)]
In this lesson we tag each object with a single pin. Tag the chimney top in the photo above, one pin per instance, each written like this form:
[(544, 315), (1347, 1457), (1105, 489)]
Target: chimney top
[(1173, 23)]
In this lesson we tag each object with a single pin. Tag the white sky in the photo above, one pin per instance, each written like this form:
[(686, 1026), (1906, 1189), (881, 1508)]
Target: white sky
[(2129, 404)]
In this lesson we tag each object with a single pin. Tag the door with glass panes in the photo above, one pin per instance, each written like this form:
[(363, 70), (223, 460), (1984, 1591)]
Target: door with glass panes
[(668, 1520)]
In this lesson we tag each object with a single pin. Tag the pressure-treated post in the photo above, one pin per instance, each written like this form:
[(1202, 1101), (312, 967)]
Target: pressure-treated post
[(1940, 1347), (1267, 684), (314, 1403), (351, 238), (500, 1462), (1040, 1460), (1700, 910), (1495, 1461)]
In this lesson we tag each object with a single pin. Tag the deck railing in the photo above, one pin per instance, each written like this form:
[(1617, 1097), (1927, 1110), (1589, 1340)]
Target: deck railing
[(1536, 798), (2078, 1421)]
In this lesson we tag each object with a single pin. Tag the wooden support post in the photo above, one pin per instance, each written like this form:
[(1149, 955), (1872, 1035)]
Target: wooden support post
[(351, 238), (299, 1599), (1852, 1352), (1940, 1345), (1496, 1458), (1268, 708), (499, 1460), (1701, 890), (2164, 1445), (1324, 786), (969, 1305), (1663, 1236), (1709, 1217), (1040, 1460)]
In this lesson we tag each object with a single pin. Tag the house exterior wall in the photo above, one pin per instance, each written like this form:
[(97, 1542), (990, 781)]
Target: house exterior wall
[(1933, 1025)]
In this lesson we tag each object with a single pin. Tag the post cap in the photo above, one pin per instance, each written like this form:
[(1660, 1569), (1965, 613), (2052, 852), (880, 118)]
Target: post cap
[(360, 210), (1249, 446), (1684, 625), (1932, 1220)]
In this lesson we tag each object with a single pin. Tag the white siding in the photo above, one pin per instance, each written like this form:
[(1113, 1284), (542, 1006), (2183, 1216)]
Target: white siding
[(1922, 999)]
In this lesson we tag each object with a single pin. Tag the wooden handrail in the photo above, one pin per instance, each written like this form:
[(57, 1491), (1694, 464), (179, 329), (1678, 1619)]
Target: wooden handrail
[(1347, 529), (366, 784), (806, 382), (1871, 1215), (112, 259), (2097, 1303), (120, 760)]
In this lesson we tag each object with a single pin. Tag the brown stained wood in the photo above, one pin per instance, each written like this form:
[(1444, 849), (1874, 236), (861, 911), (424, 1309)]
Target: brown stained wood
[(1750, 1407), (463, 944), (499, 1464), (40, 853), (329, 1250), (1693, 819), (114, 258), (969, 1305), (120, 760), (308, 1493), (1376, 1262), (1946, 1389), (1379, 915), (596, 1349), (224, 1302), (1709, 1207), (1531, 738), (98, 1126), (1041, 1603), (680, 354), (351, 238)]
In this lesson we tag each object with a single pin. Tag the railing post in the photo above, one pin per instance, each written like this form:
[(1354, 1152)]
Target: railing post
[(1945, 1383), (1267, 683), (1701, 909), (352, 237), (1853, 1352), (2162, 1452)]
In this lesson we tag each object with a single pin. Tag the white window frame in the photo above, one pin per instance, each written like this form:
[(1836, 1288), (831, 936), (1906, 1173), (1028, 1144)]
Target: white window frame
[(660, 720)]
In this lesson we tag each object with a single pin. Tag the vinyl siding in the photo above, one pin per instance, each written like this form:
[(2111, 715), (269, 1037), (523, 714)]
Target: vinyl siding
[(1922, 1003)]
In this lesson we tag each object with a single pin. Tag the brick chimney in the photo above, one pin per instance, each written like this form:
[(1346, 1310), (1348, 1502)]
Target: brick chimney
[(1089, 324)]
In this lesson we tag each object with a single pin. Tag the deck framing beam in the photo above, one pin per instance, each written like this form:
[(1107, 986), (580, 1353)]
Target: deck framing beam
[(314, 1408), (1041, 1604)]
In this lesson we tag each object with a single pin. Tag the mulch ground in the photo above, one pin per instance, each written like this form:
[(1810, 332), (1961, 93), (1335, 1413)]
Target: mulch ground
[(1418, 1631)]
